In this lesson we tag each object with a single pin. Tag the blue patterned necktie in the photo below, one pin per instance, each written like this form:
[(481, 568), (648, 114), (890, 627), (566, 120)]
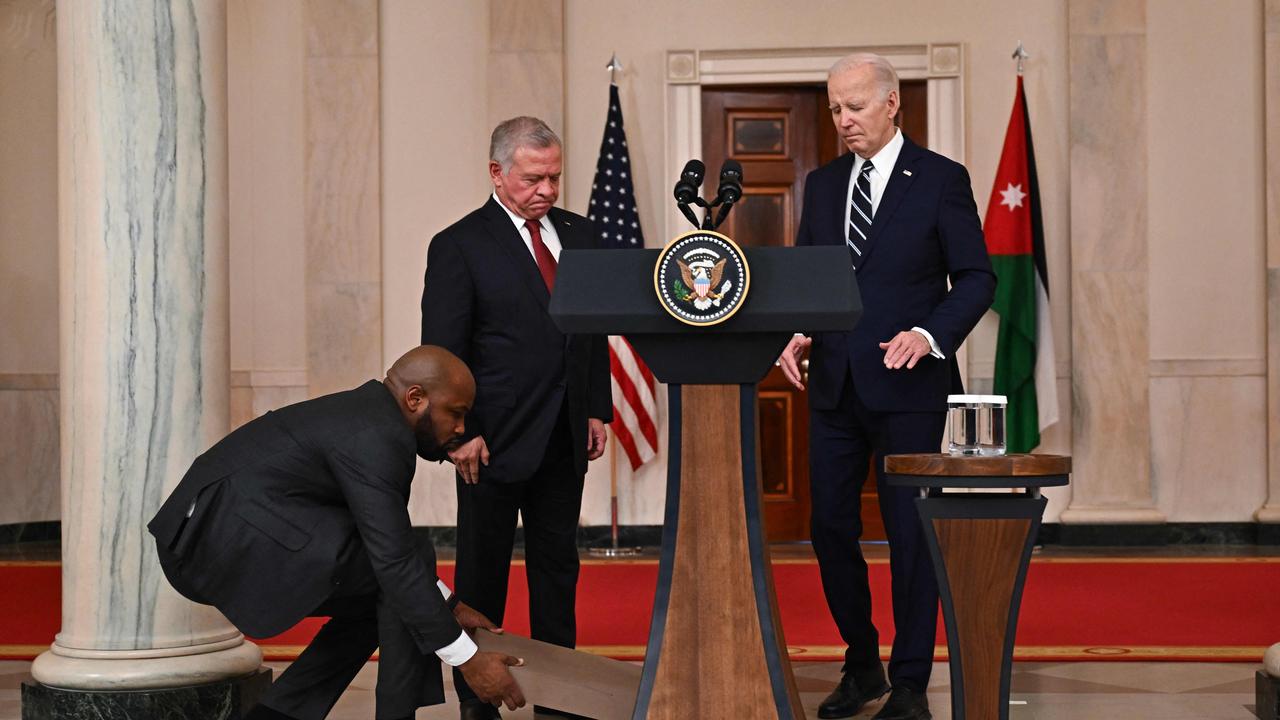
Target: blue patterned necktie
[(860, 213)]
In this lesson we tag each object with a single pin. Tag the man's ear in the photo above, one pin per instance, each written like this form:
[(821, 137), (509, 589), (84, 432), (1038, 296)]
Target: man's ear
[(416, 398)]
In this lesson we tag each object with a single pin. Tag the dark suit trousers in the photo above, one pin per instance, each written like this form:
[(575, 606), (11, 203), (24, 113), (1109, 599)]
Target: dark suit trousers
[(549, 503), (360, 621), (842, 442)]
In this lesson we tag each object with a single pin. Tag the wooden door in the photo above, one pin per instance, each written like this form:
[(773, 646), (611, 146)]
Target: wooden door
[(779, 134)]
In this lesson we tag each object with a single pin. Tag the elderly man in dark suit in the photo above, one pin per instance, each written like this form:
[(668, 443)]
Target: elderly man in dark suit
[(303, 512), (542, 397), (907, 216)]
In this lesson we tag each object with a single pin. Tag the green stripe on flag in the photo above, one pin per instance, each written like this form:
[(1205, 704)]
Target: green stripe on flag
[(1015, 302)]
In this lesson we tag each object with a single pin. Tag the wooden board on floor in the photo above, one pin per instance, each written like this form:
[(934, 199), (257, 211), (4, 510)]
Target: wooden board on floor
[(577, 682)]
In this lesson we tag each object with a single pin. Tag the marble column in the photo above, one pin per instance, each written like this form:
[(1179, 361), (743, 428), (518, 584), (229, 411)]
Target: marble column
[(1111, 421), (143, 345), (1270, 512)]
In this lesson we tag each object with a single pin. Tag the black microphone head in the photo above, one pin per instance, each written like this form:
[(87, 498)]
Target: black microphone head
[(690, 180), (730, 189)]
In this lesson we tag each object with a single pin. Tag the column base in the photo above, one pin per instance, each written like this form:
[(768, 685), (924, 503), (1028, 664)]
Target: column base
[(223, 700)]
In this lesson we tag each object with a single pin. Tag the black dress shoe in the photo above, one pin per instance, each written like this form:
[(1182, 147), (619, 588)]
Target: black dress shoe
[(849, 696), (905, 704), (478, 710)]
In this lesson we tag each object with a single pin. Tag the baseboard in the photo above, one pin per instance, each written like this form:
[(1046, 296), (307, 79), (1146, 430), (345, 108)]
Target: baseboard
[(44, 531), (1176, 533)]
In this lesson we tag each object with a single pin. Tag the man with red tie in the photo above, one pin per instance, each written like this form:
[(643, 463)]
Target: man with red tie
[(542, 397)]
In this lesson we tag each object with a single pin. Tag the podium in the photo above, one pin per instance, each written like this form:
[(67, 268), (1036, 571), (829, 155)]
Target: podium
[(715, 646), (980, 543)]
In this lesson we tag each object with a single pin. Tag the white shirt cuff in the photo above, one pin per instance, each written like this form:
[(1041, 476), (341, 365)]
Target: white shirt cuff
[(458, 651), (447, 593), (933, 344)]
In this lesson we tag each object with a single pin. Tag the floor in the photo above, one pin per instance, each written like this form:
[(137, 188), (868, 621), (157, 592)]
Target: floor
[(1040, 691)]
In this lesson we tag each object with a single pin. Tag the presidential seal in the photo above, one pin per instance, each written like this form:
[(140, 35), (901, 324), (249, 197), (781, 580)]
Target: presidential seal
[(701, 278)]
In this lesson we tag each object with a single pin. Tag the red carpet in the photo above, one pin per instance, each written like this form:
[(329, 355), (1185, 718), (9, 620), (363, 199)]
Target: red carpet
[(1212, 609)]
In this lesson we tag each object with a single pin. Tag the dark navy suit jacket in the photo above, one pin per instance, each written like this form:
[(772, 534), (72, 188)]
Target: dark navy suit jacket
[(925, 230), (484, 300)]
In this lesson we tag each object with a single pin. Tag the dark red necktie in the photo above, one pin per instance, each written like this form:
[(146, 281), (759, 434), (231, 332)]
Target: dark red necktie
[(546, 262)]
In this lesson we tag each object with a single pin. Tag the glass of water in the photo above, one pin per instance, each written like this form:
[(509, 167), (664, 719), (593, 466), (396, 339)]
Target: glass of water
[(977, 424)]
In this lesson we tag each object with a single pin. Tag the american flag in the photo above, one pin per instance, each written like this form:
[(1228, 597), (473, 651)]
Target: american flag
[(617, 225)]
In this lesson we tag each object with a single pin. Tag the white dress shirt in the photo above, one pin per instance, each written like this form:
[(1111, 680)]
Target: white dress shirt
[(882, 164), (460, 650), (548, 231)]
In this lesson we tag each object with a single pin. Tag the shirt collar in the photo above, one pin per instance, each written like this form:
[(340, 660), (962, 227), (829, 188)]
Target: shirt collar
[(544, 222), (884, 160)]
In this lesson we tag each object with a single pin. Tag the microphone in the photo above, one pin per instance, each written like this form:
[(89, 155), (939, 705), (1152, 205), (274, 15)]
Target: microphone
[(687, 188), (730, 190), (689, 182)]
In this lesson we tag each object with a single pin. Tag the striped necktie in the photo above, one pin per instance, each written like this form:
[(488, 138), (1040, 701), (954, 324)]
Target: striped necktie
[(860, 213)]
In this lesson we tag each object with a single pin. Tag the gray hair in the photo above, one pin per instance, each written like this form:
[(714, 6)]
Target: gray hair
[(518, 132), (886, 76)]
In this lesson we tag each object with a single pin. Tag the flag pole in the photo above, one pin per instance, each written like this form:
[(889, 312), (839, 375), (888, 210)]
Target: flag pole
[(613, 550), (1021, 55)]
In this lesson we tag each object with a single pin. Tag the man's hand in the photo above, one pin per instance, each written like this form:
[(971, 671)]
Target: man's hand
[(488, 676), (596, 438), (906, 348), (470, 619), (469, 457), (789, 360)]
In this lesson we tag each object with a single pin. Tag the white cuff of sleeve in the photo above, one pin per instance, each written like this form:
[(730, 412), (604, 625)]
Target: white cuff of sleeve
[(447, 593), (933, 344), (458, 651)]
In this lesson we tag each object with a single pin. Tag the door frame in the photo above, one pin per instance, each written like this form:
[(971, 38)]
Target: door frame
[(940, 65)]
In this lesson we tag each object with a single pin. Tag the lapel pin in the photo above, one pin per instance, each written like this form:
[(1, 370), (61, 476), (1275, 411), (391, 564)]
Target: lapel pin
[(907, 173)]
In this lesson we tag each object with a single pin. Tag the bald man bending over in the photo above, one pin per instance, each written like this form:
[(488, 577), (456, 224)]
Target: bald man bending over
[(303, 512)]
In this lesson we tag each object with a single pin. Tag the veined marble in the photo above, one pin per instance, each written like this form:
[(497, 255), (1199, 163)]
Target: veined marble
[(143, 277)]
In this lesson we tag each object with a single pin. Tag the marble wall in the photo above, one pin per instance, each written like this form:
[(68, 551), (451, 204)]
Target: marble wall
[(341, 195), (1109, 274), (28, 262), (266, 63)]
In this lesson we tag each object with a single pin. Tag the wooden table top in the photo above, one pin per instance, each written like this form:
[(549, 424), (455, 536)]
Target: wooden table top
[(945, 465)]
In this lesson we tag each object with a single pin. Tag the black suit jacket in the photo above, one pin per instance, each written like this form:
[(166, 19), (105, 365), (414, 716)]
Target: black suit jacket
[(484, 300), (925, 230), (288, 500)]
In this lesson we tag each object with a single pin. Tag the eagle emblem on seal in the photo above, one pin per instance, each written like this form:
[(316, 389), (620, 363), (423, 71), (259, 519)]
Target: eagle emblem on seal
[(702, 279)]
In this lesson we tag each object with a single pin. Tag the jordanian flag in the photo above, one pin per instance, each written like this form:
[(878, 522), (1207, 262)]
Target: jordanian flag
[(1015, 240)]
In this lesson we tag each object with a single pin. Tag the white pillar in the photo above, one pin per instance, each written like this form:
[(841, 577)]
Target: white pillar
[(142, 170)]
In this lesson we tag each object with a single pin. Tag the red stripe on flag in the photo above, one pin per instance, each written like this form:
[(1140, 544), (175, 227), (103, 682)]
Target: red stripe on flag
[(627, 385), (628, 444)]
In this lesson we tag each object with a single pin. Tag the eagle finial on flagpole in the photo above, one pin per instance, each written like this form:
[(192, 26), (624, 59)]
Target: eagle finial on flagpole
[(1020, 54), (613, 67)]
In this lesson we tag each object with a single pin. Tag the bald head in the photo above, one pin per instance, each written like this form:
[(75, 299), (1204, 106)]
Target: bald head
[(432, 367), (434, 390)]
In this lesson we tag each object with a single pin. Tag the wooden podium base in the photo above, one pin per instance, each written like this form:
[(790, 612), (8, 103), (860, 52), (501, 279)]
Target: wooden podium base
[(715, 643)]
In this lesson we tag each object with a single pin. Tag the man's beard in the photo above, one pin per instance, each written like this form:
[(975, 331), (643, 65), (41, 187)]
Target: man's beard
[(428, 447)]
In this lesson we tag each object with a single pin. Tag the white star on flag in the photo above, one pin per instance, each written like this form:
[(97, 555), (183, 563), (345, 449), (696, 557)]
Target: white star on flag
[(1012, 196)]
